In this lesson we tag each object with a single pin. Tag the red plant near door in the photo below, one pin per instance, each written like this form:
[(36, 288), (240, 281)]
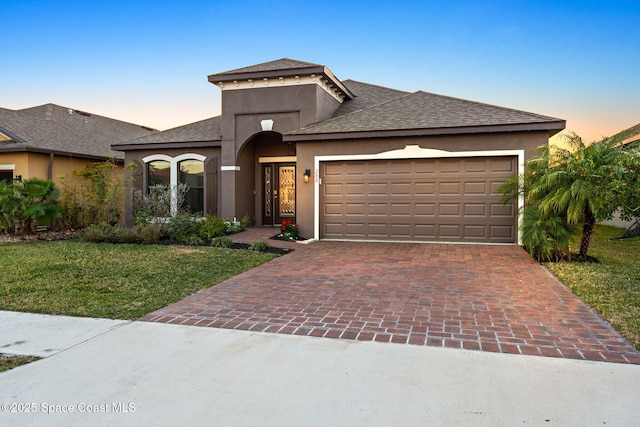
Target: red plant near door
[(289, 229)]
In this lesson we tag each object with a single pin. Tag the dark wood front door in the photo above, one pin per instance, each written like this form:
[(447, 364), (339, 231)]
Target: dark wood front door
[(278, 193)]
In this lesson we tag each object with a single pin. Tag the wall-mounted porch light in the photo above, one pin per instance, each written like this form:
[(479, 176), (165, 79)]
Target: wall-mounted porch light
[(307, 174)]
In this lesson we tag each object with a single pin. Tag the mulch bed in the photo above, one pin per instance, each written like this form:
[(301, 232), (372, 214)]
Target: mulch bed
[(50, 236), (47, 236)]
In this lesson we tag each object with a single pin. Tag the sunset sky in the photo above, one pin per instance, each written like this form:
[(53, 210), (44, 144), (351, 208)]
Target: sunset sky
[(147, 62)]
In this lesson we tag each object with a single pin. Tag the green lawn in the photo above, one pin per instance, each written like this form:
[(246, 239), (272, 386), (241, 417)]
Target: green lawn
[(9, 362), (612, 286), (111, 280)]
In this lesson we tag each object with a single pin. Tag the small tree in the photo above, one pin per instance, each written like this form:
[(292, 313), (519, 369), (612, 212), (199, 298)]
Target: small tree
[(97, 196), (27, 203), (545, 235), (160, 203), (572, 187)]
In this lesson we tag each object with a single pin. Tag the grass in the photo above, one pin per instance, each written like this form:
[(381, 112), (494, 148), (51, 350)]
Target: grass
[(9, 362), (611, 286), (115, 281)]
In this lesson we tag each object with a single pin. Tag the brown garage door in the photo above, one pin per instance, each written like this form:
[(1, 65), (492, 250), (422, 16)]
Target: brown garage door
[(450, 199)]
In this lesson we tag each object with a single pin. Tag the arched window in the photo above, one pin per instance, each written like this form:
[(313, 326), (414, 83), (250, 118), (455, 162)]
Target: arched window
[(159, 173), (170, 171), (191, 173)]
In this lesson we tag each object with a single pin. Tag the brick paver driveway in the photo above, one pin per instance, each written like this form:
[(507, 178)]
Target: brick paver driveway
[(476, 297)]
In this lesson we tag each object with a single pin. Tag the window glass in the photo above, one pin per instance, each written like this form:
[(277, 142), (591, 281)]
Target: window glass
[(191, 172), (159, 173), (6, 176)]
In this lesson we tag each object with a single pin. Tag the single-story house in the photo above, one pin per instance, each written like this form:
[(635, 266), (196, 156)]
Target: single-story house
[(50, 141), (347, 160)]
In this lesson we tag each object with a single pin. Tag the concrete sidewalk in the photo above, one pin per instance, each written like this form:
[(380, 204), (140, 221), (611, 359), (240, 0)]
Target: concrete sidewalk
[(140, 373), (41, 335)]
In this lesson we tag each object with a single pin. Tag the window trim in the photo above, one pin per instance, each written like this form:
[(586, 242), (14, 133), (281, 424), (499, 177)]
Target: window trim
[(173, 172)]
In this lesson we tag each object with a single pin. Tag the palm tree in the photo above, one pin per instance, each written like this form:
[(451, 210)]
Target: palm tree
[(565, 188), (545, 235), (38, 203)]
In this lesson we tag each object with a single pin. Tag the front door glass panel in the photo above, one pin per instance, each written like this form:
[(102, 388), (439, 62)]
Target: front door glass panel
[(279, 193), (287, 200)]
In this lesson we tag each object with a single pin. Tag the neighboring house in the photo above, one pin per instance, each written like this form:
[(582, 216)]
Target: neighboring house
[(50, 141), (347, 160), (630, 137)]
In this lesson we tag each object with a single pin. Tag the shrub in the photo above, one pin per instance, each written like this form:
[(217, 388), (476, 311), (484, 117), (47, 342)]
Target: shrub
[(212, 226), (107, 233), (27, 203), (233, 226), (289, 229), (222, 242), (96, 195), (183, 229), (157, 203), (101, 233), (259, 246), (147, 233)]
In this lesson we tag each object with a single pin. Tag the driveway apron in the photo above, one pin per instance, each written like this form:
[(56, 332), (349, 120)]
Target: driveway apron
[(477, 297)]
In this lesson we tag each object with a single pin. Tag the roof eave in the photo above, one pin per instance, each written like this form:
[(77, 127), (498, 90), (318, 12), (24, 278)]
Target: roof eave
[(162, 145), (12, 136), (551, 127), (29, 149), (288, 72)]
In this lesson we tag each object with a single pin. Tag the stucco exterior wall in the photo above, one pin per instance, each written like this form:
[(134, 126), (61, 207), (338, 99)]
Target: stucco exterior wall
[(17, 161), (307, 151), (212, 167), (37, 165)]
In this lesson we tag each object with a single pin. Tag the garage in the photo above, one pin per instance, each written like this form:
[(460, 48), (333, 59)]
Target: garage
[(443, 199)]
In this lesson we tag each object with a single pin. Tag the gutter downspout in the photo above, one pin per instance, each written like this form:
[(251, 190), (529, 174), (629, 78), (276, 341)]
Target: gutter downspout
[(50, 170)]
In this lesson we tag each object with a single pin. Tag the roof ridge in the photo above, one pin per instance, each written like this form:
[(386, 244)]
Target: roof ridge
[(469, 101), (58, 107), (260, 67)]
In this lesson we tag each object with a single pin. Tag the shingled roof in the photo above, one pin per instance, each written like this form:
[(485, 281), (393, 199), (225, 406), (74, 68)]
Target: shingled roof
[(366, 95), (630, 135), (203, 133), (208, 132), (277, 65), (50, 128), (368, 111), (281, 68), (422, 113)]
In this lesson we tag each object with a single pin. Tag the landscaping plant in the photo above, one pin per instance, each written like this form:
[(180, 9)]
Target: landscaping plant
[(160, 203), (569, 189), (289, 229), (28, 203), (95, 195)]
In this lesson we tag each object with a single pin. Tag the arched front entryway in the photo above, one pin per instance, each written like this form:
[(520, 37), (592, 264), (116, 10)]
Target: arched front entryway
[(267, 188)]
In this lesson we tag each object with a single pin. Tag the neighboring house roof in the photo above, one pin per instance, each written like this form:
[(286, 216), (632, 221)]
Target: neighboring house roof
[(205, 132), (50, 128), (631, 135)]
